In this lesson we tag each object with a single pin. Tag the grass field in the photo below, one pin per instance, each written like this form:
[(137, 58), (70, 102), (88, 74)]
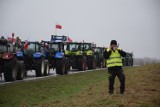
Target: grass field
[(88, 89)]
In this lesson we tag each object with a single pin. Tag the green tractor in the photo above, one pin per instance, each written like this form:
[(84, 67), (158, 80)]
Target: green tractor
[(88, 49), (100, 60), (76, 56), (128, 60)]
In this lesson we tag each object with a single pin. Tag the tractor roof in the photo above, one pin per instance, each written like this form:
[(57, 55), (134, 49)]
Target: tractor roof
[(61, 39), (4, 41), (34, 42)]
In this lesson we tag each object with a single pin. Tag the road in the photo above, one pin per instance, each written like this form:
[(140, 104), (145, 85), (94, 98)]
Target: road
[(31, 76)]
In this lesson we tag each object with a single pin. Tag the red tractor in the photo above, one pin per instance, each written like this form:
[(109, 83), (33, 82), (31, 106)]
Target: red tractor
[(9, 66)]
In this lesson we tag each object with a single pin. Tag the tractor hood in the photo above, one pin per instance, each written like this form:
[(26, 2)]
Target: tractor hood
[(19, 54), (37, 55), (59, 55), (7, 56)]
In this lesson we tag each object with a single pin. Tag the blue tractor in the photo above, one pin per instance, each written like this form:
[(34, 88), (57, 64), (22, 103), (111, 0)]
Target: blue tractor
[(54, 51), (34, 58)]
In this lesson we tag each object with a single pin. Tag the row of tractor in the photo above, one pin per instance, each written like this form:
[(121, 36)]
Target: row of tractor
[(16, 59)]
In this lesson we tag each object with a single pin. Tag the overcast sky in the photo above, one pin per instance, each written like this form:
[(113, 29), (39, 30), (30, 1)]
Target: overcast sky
[(135, 24)]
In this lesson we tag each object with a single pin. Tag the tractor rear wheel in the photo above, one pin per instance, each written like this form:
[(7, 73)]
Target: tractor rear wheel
[(104, 63), (99, 63), (60, 66), (10, 70), (91, 63), (81, 64), (67, 66)]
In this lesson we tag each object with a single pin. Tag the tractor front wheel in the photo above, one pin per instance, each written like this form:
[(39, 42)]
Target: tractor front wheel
[(39, 67), (21, 70)]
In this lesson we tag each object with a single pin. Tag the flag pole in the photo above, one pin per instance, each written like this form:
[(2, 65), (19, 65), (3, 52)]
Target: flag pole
[(56, 28), (55, 31)]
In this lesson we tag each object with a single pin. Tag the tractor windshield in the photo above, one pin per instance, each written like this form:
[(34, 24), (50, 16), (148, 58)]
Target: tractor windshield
[(3, 49), (86, 47), (31, 48), (98, 50), (53, 46), (74, 47)]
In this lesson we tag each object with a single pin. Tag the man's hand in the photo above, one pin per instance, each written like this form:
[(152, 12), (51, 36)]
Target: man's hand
[(113, 48)]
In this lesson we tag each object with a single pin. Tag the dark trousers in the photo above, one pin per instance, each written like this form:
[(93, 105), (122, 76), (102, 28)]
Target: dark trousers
[(112, 74)]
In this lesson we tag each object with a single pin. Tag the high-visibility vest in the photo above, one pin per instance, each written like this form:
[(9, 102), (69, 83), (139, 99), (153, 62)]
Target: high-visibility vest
[(114, 59)]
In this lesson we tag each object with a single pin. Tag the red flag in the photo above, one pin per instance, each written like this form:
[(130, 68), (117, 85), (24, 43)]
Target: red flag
[(11, 39), (69, 39), (26, 45), (58, 27)]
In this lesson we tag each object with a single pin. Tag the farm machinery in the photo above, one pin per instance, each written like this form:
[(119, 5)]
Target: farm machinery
[(9, 65), (33, 58), (54, 51)]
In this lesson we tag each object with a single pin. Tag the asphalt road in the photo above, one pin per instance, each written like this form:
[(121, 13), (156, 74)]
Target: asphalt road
[(31, 76)]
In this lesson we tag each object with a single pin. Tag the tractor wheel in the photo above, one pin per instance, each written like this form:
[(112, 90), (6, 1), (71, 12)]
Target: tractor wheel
[(100, 63), (81, 64), (21, 70), (40, 67), (67, 66), (104, 63), (47, 69), (10, 70), (25, 74), (60, 66), (91, 63)]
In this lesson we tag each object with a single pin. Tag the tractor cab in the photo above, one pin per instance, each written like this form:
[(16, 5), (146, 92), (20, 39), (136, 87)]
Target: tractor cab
[(100, 60), (31, 48), (6, 46), (88, 49), (74, 48)]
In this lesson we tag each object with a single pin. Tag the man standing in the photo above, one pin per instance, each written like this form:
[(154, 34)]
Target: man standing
[(113, 56)]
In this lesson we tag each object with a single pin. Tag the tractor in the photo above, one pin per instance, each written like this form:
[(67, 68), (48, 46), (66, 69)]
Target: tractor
[(128, 60), (76, 56), (54, 51), (100, 60), (88, 49), (9, 65), (34, 58)]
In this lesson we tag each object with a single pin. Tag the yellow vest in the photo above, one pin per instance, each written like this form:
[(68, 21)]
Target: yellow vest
[(114, 59)]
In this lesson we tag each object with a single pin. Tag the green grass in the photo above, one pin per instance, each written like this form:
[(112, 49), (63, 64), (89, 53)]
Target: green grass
[(87, 89), (40, 91)]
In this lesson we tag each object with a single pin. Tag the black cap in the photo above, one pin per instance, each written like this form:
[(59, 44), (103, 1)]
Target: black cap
[(113, 42)]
